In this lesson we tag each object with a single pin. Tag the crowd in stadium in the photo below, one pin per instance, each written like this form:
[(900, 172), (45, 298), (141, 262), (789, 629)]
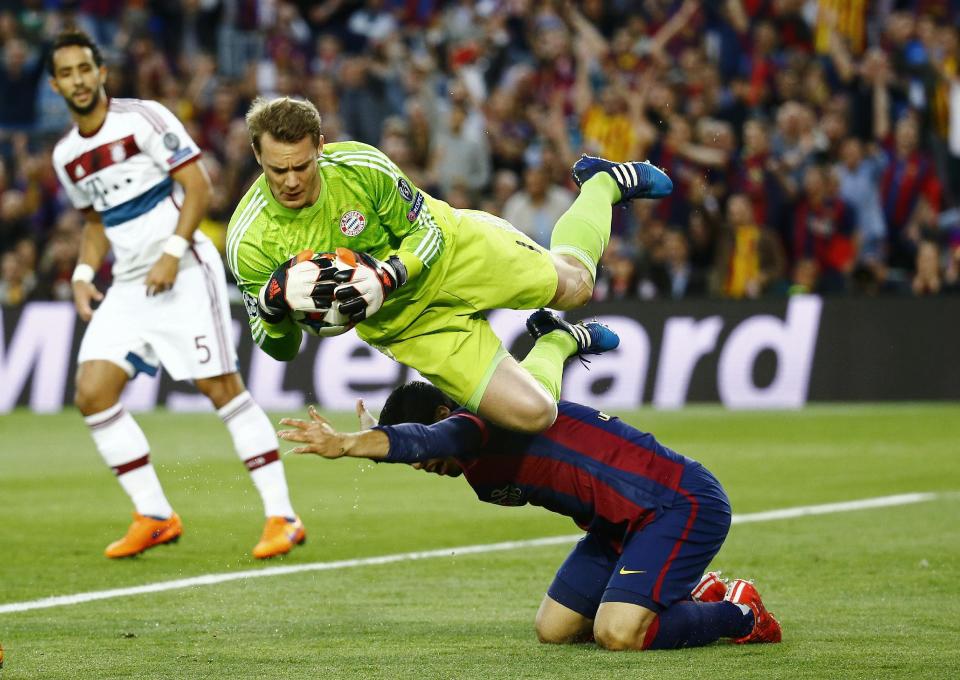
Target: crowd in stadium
[(814, 145)]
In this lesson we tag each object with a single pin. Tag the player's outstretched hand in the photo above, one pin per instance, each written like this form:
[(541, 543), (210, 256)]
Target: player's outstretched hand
[(363, 290), (366, 418), (317, 435), (163, 274), (84, 293)]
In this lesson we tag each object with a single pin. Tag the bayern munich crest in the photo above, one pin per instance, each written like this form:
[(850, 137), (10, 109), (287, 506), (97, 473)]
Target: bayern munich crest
[(352, 223)]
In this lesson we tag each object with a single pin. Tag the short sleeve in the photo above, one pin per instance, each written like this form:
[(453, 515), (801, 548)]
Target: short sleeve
[(165, 139)]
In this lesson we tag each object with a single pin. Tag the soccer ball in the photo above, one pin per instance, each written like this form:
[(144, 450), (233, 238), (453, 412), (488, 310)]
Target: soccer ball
[(330, 322), (323, 324)]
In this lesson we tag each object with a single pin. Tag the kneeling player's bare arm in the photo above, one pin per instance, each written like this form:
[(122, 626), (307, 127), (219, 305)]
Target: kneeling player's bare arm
[(319, 437), (403, 443)]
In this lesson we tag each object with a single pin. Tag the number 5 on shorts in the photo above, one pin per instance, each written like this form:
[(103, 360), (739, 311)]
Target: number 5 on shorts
[(203, 348)]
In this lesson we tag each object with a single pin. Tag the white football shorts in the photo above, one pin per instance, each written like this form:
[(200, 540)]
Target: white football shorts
[(187, 329)]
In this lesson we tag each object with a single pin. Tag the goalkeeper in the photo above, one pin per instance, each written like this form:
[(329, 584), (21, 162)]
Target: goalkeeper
[(426, 272)]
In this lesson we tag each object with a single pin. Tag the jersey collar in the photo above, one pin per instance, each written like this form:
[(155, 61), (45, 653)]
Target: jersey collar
[(278, 209)]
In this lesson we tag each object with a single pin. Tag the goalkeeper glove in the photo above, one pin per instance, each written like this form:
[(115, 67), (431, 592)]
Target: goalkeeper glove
[(363, 289), (296, 285)]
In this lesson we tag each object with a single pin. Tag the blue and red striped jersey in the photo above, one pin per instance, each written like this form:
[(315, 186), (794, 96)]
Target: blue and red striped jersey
[(610, 477)]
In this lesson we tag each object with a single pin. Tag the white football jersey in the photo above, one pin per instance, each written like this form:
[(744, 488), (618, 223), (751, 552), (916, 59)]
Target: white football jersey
[(123, 172)]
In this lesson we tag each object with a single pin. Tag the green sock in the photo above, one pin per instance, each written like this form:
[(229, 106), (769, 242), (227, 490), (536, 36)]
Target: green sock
[(584, 230), (545, 360)]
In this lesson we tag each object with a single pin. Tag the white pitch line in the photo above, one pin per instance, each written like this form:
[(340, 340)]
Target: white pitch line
[(213, 579), (829, 508)]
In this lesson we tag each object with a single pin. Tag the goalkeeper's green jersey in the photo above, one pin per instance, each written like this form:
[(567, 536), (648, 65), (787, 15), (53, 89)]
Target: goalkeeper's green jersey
[(366, 204)]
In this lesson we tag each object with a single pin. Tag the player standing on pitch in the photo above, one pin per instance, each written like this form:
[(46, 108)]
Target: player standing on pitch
[(425, 272), (130, 166)]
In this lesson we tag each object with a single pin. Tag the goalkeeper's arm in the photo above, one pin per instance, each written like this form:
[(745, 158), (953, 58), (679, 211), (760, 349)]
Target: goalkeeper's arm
[(280, 340)]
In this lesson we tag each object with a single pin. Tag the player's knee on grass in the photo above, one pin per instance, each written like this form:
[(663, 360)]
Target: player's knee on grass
[(574, 283), (620, 626), (559, 625)]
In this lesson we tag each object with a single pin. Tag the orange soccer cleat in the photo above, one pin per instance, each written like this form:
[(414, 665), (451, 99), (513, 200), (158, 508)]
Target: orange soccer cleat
[(144, 533), (711, 588), (765, 627), (279, 536)]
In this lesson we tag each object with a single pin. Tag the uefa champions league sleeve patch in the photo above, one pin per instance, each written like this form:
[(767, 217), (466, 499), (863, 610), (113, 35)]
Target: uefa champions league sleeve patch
[(352, 223), (414, 211), (171, 141), (250, 303), (403, 186)]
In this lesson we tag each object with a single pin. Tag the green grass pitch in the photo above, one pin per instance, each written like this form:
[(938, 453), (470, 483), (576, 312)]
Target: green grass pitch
[(865, 594)]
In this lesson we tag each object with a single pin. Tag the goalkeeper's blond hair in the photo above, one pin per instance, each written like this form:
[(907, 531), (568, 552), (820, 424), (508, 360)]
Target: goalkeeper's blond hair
[(287, 120)]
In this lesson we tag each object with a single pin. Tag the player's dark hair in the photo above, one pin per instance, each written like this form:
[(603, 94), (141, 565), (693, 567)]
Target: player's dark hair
[(287, 120), (74, 38), (415, 402)]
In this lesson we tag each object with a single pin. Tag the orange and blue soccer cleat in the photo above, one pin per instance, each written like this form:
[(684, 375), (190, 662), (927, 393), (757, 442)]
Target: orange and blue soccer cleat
[(765, 627), (144, 533), (280, 534), (711, 588)]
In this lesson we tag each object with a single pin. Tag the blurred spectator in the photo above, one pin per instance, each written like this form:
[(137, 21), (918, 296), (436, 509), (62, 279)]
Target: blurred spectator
[(363, 100), (21, 73), (56, 266), (15, 288), (672, 273), (536, 209), (457, 157), (927, 280), (616, 277), (859, 174), (750, 257), (13, 218), (505, 185), (908, 183), (823, 231)]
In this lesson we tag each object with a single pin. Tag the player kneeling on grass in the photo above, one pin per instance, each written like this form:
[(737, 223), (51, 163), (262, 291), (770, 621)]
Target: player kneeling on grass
[(654, 518)]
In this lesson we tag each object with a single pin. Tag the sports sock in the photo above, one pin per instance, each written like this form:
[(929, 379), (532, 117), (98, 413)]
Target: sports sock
[(256, 444), (545, 360), (124, 448), (584, 230), (694, 624)]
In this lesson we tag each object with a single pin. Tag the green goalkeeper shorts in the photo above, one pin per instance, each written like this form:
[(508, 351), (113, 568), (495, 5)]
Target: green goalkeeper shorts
[(492, 266)]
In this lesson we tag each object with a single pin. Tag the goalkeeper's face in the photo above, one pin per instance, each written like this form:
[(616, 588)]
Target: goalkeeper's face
[(291, 170)]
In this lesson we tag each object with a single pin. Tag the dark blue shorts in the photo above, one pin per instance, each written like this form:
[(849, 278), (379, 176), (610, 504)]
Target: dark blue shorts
[(660, 564)]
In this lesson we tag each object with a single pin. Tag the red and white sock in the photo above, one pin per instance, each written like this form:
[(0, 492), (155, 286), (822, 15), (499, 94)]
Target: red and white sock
[(256, 444), (124, 448)]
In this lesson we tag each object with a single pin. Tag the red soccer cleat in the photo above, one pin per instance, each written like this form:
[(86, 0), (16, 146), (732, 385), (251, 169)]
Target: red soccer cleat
[(711, 588), (765, 627)]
